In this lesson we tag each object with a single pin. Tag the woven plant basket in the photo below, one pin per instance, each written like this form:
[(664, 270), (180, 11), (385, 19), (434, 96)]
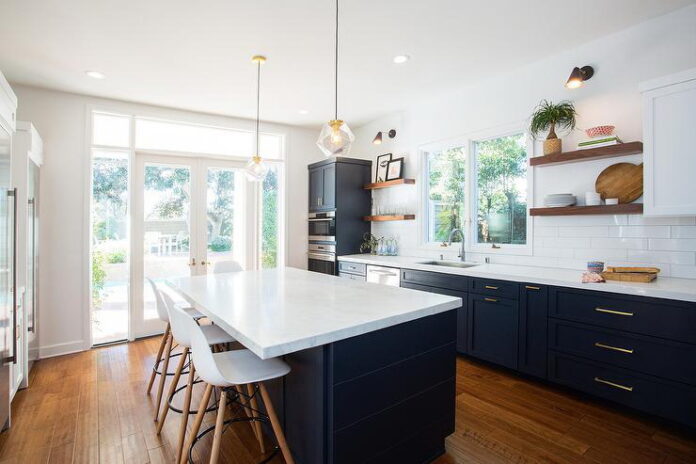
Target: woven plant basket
[(552, 146)]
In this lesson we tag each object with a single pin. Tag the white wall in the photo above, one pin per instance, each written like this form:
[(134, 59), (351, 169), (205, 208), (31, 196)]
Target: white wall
[(661, 46), (60, 119)]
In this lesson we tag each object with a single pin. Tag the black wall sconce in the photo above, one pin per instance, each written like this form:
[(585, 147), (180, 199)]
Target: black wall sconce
[(378, 138), (578, 76)]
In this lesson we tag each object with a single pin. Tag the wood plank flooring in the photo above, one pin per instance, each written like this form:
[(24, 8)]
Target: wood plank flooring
[(91, 407)]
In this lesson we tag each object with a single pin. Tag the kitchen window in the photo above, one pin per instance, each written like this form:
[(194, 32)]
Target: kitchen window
[(478, 184)]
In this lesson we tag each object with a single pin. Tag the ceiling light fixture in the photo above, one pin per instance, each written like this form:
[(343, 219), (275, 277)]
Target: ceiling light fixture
[(95, 74), (336, 137), (391, 133), (256, 169), (578, 76), (400, 59)]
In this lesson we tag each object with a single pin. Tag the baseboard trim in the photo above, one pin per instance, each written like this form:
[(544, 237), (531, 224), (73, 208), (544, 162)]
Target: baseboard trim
[(60, 349)]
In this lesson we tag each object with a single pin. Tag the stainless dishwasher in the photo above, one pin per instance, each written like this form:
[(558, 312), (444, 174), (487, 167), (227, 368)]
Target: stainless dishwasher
[(384, 275)]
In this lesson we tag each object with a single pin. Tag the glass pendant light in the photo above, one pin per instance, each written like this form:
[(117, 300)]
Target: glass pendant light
[(256, 169), (336, 137)]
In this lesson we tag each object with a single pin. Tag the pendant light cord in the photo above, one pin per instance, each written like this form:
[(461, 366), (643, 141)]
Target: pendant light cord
[(336, 69), (258, 103)]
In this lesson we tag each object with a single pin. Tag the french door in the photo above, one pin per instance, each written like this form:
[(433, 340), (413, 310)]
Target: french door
[(188, 213)]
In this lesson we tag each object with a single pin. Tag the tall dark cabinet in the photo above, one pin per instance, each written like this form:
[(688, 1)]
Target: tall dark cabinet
[(337, 204)]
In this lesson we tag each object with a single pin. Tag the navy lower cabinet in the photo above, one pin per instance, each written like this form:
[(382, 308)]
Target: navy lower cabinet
[(493, 329), (462, 312), (534, 302)]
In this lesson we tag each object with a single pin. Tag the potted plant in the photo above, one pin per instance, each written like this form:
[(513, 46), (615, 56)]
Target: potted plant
[(369, 244), (550, 116)]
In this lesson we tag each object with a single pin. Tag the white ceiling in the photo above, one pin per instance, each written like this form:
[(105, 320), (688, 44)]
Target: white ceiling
[(196, 54)]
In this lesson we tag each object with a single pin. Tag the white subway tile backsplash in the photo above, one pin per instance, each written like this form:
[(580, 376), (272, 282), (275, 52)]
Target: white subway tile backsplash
[(582, 221), (674, 244), (683, 231), (683, 272), (600, 254), (667, 257), (638, 220), (553, 252), (636, 243), (544, 231), (585, 231), (578, 242), (640, 231)]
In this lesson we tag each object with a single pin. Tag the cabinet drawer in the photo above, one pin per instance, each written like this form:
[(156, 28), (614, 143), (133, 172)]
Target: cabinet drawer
[(649, 316), (650, 355), (353, 268), (499, 288), (347, 275), (435, 279), (660, 397)]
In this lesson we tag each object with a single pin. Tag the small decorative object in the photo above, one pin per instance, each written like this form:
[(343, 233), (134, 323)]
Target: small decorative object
[(391, 133), (592, 278), (593, 199), (600, 131), (369, 244), (621, 180), (559, 200), (612, 201), (382, 165), (599, 142), (395, 169), (578, 76), (595, 266), (550, 116)]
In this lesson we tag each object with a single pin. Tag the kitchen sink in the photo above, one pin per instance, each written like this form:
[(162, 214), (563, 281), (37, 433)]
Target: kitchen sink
[(449, 264)]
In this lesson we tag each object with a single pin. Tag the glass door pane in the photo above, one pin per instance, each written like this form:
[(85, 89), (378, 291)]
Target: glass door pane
[(224, 216), (166, 228)]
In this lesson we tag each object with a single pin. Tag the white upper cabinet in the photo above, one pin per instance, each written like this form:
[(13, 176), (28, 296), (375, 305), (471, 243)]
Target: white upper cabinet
[(8, 105), (669, 151)]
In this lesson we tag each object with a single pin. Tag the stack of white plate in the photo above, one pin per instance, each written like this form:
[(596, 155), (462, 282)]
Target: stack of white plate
[(559, 200)]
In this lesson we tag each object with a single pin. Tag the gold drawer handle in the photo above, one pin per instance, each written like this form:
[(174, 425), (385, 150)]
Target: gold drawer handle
[(492, 300), (490, 287), (529, 287), (611, 311), (612, 384), (613, 348)]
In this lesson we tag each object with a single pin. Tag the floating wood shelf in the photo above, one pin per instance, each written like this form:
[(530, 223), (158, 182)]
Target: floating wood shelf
[(627, 208), (390, 217), (622, 149), (389, 183)]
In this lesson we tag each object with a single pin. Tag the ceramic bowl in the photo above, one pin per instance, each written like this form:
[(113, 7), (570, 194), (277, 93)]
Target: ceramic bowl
[(600, 131), (595, 266)]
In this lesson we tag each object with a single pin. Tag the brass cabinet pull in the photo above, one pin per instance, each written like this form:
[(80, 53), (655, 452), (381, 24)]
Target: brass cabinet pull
[(529, 287), (612, 384), (490, 287), (613, 348), (492, 300), (611, 311)]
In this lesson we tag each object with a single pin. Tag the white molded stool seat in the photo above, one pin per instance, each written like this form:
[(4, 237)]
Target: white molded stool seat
[(241, 367), (214, 335), (227, 266)]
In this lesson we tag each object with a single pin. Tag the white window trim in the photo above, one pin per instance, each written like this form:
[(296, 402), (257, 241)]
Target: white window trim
[(471, 185)]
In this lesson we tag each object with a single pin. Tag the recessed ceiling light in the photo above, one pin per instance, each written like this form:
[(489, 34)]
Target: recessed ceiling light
[(303, 111), (399, 59), (95, 74)]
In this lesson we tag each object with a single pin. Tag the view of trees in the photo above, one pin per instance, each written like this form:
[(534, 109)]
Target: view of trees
[(269, 220), (501, 186)]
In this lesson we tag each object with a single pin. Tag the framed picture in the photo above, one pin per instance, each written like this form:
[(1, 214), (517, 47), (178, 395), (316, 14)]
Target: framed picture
[(395, 169), (382, 164)]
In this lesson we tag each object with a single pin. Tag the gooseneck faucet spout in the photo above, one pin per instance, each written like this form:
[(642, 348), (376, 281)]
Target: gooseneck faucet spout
[(449, 242)]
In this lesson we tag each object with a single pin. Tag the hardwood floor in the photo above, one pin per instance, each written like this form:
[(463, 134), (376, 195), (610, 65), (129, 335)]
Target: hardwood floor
[(91, 407)]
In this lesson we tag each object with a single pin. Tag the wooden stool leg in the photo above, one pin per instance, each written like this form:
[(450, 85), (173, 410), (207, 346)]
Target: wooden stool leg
[(247, 412), (185, 411), (163, 377), (172, 388), (257, 424), (219, 424), (275, 424), (163, 341), (196, 423)]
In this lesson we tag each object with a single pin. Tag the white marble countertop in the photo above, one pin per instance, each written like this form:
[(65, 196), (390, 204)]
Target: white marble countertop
[(662, 287), (274, 312)]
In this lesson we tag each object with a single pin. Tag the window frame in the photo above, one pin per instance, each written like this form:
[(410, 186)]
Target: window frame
[(469, 224)]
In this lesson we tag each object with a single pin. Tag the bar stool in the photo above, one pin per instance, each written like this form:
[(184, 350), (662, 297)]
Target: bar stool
[(165, 346), (221, 267), (214, 336), (230, 370)]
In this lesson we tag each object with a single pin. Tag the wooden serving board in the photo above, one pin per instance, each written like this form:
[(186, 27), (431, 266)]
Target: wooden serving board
[(639, 269), (621, 180), (630, 276)]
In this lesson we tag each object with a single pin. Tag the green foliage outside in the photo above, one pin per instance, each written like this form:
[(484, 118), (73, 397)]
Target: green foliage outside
[(98, 275), (116, 257), (447, 177), (269, 221), (220, 243)]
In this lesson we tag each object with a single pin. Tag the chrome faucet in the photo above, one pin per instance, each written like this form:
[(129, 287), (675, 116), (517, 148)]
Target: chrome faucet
[(449, 242)]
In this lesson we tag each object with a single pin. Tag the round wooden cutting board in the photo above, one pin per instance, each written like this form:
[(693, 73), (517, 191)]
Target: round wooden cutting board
[(621, 180)]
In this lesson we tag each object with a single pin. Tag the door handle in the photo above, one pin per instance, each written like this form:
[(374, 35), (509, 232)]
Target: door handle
[(32, 202), (203, 263), (491, 287), (193, 262), (492, 300), (530, 287), (612, 384), (614, 348), (611, 311), (13, 359)]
